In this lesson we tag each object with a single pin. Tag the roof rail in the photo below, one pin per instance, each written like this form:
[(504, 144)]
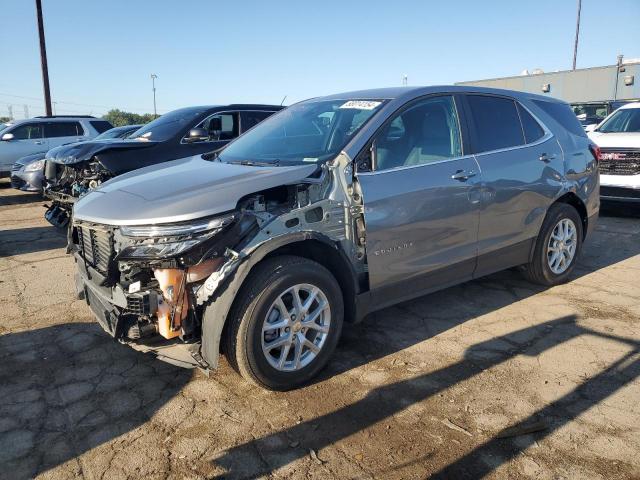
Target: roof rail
[(65, 116)]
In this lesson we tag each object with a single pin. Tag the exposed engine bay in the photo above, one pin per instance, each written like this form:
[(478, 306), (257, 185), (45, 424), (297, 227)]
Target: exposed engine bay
[(67, 183), (149, 285), (73, 170)]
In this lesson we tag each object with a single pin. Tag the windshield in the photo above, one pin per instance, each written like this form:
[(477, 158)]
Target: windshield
[(167, 125), (309, 132), (118, 132), (626, 120)]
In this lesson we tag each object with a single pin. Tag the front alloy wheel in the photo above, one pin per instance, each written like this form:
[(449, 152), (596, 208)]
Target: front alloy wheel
[(286, 323), (296, 327)]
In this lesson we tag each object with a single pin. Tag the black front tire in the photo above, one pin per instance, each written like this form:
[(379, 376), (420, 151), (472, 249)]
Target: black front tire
[(538, 270), (271, 277)]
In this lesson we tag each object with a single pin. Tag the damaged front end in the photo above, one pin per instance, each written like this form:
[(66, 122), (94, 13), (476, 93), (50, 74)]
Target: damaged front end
[(149, 286), (73, 170), (65, 183)]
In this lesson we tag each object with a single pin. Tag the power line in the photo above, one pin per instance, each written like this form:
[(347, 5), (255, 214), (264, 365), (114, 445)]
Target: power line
[(72, 103)]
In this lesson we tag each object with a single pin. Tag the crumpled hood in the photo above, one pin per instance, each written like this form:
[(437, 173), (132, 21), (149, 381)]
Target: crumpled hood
[(82, 151), (613, 140), (180, 190)]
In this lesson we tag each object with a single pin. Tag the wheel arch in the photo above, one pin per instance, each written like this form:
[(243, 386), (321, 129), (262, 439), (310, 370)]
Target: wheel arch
[(310, 245), (570, 198)]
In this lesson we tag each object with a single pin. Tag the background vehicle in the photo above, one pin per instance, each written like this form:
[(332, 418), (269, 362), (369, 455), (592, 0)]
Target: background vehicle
[(328, 210), (618, 137), (118, 132), (590, 114), (39, 134), (73, 170), (27, 173)]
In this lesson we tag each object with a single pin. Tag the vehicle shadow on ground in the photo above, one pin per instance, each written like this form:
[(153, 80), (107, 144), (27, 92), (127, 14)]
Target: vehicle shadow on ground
[(19, 241), (386, 401), (21, 198), (67, 389)]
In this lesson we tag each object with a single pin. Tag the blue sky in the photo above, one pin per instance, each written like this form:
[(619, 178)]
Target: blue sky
[(101, 54)]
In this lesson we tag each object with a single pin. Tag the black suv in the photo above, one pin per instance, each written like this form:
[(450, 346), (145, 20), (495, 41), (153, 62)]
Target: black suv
[(74, 169)]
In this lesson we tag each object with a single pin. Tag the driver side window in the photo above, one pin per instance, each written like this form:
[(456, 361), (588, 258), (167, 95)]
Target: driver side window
[(29, 131), (221, 126), (426, 132)]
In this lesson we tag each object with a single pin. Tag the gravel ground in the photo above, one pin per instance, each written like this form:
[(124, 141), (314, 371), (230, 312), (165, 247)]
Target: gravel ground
[(494, 378)]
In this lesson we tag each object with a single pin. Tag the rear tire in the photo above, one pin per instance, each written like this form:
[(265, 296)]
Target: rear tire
[(558, 246), (268, 314)]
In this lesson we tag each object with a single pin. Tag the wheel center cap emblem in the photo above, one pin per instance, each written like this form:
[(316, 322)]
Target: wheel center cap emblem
[(296, 327)]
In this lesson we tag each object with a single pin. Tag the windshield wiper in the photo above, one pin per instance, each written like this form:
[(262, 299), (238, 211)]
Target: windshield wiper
[(211, 155), (255, 163)]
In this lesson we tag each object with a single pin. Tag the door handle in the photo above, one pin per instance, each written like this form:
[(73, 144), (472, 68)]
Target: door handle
[(463, 175), (39, 143), (546, 158)]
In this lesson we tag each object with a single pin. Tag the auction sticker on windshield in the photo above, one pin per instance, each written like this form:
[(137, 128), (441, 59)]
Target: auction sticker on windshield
[(361, 104)]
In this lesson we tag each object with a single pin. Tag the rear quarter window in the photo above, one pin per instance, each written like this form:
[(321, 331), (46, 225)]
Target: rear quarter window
[(562, 113), (532, 129)]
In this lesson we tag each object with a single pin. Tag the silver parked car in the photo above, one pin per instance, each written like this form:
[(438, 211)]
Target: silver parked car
[(39, 134), (326, 211)]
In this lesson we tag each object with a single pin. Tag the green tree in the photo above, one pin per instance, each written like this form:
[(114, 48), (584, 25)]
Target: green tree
[(4, 119), (119, 118)]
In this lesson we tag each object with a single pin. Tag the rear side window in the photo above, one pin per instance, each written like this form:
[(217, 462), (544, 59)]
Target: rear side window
[(251, 119), (496, 123), (63, 129), (562, 113), (101, 125), (532, 129)]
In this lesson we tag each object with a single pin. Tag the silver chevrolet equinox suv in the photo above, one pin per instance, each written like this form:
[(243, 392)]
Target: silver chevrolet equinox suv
[(326, 211)]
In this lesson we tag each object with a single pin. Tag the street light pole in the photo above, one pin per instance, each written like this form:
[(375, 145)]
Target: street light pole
[(153, 82), (575, 45), (43, 60)]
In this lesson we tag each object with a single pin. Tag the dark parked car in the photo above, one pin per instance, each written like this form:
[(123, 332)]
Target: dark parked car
[(72, 170), (330, 209)]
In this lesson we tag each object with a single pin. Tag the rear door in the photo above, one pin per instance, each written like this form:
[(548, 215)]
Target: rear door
[(421, 206), (522, 172), (60, 133), (27, 139)]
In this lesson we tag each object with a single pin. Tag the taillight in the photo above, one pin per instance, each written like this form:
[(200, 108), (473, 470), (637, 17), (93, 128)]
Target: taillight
[(595, 151)]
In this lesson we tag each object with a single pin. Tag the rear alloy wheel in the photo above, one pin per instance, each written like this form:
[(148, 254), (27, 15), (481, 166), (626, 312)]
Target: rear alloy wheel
[(286, 324), (557, 247)]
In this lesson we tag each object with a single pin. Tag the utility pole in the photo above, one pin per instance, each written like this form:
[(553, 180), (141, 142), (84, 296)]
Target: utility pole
[(618, 65), (10, 108), (43, 60), (153, 82), (575, 45), (405, 79)]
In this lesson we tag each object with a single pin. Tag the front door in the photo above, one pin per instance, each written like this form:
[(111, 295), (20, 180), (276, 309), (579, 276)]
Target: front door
[(421, 206)]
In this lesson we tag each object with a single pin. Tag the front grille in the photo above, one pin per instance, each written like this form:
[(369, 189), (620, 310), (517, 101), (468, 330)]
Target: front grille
[(96, 247), (17, 183), (620, 192), (619, 161)]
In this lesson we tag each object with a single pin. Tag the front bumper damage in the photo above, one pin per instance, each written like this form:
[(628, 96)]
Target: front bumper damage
[(109, 306)]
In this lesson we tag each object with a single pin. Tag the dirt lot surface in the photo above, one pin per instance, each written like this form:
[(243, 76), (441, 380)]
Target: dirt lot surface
[(493, 378)]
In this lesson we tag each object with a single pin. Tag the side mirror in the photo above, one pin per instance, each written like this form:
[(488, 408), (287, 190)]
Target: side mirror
[(197, 135), (7, 137)]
